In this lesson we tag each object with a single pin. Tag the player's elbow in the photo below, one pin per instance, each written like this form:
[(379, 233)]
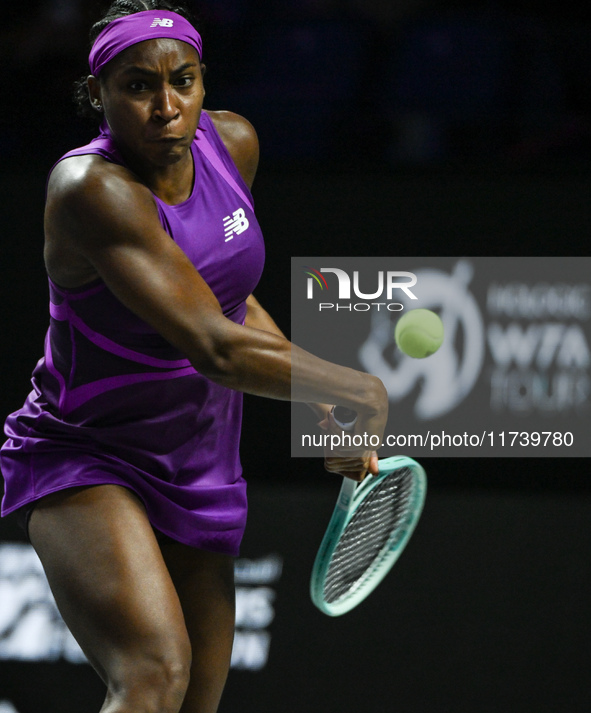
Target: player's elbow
[(218, 355), (217, 364)]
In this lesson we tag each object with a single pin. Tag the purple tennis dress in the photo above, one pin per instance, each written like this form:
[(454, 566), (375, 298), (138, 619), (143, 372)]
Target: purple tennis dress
[(114, 402)]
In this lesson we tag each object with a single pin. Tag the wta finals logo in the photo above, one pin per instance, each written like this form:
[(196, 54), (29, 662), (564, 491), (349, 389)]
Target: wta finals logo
[(447, 377)]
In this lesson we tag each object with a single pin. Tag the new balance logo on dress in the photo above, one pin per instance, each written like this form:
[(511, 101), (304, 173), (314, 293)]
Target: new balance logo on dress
[(235, 224), (163, 23)]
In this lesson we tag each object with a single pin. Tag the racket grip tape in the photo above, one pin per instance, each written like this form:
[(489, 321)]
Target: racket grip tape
[(344, 417)]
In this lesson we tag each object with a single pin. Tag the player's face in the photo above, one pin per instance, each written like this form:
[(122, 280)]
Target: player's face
[(152, 95)]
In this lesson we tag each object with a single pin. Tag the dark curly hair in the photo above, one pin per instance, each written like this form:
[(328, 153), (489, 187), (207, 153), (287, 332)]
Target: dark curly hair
[(117, 9)]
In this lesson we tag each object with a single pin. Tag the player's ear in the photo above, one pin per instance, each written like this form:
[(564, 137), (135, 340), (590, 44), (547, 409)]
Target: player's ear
[(94, 92), (203, 69)]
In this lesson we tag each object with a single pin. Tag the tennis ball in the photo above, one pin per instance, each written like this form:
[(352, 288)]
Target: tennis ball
[(419, 333)]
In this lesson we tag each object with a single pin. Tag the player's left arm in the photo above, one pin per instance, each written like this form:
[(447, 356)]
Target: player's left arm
[(258, 318), (241, 140)]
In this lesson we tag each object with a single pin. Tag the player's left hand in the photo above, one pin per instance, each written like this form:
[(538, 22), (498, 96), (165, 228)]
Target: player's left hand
[(354, 468), (349, 462)]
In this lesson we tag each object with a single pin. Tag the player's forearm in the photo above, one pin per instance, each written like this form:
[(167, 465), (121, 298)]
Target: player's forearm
[(258, 318), (318, 382), (265, 364)]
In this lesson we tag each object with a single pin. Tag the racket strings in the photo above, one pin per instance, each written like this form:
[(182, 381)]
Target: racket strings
[(384, 511)]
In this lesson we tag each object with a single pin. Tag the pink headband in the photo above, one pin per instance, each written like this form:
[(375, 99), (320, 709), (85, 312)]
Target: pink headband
[(131, 29)]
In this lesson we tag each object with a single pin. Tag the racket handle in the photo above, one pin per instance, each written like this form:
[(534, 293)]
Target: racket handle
[(344, 417)]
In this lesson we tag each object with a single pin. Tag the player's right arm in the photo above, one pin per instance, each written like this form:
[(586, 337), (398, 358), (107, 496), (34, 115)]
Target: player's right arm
[(102, 222)]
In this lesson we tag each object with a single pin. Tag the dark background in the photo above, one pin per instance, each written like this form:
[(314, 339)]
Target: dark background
[(425, 127)]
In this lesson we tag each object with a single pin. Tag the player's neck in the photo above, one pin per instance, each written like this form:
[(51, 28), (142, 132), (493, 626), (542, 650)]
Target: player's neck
[(172, 183)]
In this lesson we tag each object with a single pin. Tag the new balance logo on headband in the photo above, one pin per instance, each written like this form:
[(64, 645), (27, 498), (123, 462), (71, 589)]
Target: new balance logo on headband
[(163, 23)]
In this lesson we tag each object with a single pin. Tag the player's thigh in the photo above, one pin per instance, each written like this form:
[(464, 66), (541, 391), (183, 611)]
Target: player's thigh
[(204, 582), (109, 579)]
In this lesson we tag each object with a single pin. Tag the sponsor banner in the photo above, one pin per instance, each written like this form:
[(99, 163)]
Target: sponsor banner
[(511, 378)]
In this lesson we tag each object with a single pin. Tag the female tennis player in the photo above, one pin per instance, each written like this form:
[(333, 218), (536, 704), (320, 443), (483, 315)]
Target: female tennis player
[(123, 462)]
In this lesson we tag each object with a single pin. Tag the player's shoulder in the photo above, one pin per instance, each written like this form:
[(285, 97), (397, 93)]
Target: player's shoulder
[(90, 179), (241, 140), (233, 128)]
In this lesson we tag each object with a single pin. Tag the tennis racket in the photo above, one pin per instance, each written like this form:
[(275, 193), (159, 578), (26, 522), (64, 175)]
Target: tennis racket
[(369, 528)]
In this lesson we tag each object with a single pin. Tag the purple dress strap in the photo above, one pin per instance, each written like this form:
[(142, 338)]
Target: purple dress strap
[(208, 151)]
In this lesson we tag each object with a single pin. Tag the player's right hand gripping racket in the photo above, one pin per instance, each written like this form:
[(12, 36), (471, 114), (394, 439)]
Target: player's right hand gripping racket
[(370, 526)]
